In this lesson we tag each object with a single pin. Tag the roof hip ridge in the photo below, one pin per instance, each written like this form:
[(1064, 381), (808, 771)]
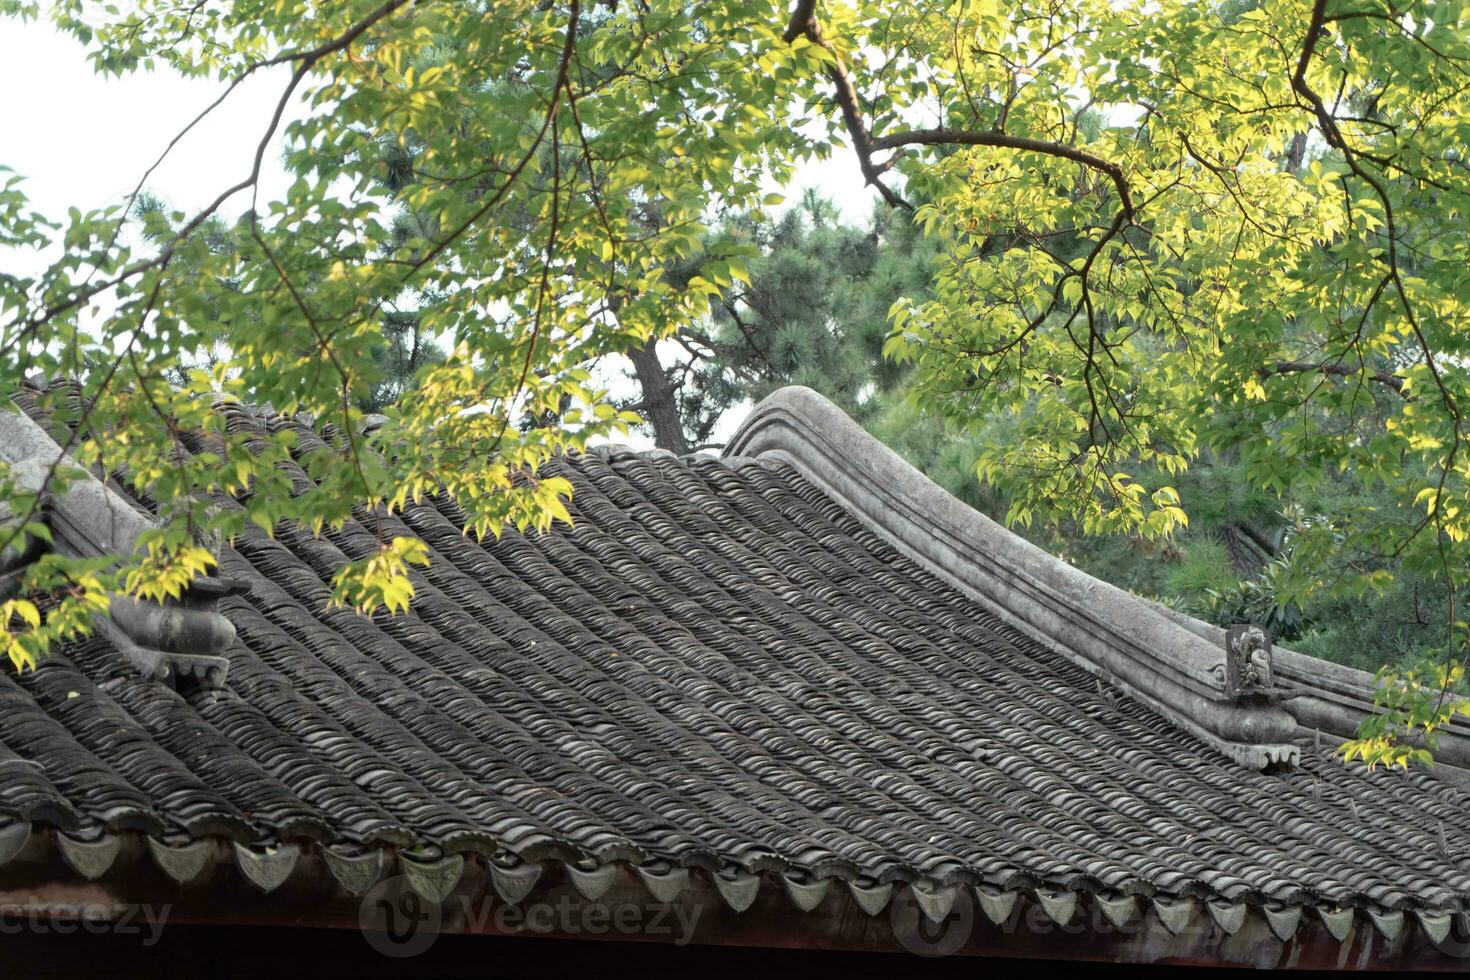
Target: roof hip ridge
[(1101, 628), (90, 519)]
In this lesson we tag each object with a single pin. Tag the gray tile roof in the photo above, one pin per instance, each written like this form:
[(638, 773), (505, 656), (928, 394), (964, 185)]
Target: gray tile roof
[(719, 668)]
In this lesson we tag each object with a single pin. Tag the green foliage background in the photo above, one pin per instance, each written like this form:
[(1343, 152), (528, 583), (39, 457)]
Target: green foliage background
[(834, 282)]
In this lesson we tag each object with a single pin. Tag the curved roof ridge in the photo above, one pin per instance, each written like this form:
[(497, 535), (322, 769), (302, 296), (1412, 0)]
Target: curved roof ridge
[(1167, 660)]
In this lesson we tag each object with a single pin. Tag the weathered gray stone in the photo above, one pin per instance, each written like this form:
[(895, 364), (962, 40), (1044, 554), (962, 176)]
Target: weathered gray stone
[(433, 879), (356, 869), (738, 890), (996, 904), (1284, 921), (1436, 925), (13, 837), (872, 899), (515, 883), (89, 519), (1120, 910), (173, 628), (1229, 916), (935, 900), (592, 883), (89, 516), (1059, 906), (89, 857), (184, 862), (1331, 699), (1174, 913), (267, 867), (1339, 922), (805, 894), (664, 885), (1388, 924)]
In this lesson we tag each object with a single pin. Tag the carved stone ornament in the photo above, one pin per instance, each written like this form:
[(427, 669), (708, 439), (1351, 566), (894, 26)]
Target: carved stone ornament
[(1247, 658)]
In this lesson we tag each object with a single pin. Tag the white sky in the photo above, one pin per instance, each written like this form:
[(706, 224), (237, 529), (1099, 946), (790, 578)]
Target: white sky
[(82, 140)]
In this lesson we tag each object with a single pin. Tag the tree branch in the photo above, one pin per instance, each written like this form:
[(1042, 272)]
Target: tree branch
[(305, 61), (804, 23), (1339, 370), (1260, 540), (1330, 131), (970, 137)]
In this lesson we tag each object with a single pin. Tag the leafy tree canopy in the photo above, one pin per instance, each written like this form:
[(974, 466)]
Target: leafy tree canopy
[(1163, 232), (812, 309)]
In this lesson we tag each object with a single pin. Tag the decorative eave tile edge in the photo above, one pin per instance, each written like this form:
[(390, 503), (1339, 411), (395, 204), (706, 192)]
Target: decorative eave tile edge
[(435, 875), (1097, 626)]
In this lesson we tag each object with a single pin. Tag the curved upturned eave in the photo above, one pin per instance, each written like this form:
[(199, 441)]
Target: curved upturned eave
[(1101, 628), (1331, 699)]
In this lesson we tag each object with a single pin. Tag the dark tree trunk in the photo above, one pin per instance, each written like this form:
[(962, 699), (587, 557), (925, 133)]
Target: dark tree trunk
[(1260, 539), (660, 406), (1296, 152), (1240, 556)]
